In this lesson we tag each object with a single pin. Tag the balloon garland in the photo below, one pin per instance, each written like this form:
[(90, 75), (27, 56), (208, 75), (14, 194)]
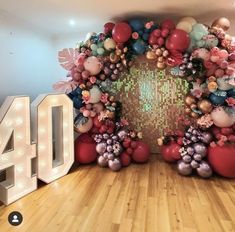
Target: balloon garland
[(203, 55)]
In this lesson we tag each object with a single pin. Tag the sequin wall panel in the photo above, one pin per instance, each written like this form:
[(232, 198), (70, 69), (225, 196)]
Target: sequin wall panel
[(152, 100)]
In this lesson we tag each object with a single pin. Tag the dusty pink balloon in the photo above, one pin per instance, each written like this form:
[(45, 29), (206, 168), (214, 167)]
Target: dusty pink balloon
[(93, 65)]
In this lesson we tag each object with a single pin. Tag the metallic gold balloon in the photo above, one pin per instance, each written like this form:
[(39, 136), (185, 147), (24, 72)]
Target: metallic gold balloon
[(193, 106), (205, 106), (161, 65), (189, 100), (150, 55), (187, 110), (222, 22), (159, 52), (114, 58), (194, 115)]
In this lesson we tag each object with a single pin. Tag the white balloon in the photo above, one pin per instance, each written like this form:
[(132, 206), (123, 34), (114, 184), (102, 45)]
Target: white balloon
[(185, 26), (95, 94), (190, 20)]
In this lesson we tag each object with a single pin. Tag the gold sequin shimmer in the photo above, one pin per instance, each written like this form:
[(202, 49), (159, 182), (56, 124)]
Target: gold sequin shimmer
[(151, 99)]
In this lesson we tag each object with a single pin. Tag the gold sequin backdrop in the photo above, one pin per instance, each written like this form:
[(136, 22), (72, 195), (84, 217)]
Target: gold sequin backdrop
[(151, 99)]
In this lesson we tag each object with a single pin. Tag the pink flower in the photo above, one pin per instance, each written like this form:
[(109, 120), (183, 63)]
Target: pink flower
[(124, 122), (197, 93), (230, 101), (148, 25), (92, 79), (104, 97), (213, 144), (135, 35), (175, 58), (208, 64)]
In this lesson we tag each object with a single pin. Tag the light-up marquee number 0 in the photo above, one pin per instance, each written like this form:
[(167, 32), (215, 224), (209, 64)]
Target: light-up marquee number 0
[(22, 162)]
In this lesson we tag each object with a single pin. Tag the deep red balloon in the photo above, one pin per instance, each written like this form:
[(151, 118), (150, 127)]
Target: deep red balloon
[(85, 149), (121, 32), (168, 23), (141, 153), (125, 159), (178, 40), (222, 160), (171, 152), (152, 39), (108, 27)]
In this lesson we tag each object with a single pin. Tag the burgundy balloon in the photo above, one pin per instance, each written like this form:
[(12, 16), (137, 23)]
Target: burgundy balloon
[(121, 32), (108, 27), (178, 40), (183, 168), (168, 23), (204, 170)]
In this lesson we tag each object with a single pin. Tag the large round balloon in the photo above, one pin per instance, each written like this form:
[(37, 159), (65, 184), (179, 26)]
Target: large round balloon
[(222, 118), (171, 152), (93, 65), (222, 160), (178, 40), (121, 32), (141, 153), (136, 24), (85, 149), (125, 159)]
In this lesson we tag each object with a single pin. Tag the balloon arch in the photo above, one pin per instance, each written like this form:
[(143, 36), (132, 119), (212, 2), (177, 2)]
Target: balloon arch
[(203, 55)]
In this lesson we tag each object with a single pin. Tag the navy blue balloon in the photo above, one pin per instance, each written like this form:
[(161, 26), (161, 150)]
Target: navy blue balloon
[(145, 36), (139, 47), (231, 92), (141, 32), (136, 24), (218, 98), (77, 102)]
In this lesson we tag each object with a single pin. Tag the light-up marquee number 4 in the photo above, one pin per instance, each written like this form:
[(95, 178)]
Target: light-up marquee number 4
[(52, 154)]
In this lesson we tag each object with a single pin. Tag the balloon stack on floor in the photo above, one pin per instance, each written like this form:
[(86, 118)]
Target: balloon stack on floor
[(203, 55)]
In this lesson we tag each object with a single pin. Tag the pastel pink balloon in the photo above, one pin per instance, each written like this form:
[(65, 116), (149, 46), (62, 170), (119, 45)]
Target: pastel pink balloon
[(221, 118), (93, 65)]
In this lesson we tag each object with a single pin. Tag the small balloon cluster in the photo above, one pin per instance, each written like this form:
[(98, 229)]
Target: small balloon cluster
[(203, 55), (194, 152), (120, 148)]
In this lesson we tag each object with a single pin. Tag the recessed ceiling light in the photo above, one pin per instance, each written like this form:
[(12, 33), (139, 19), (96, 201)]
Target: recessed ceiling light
[(71, 22)]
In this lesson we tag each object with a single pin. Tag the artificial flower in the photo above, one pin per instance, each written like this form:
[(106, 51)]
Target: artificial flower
[(135, 35), (65, 86), (205, 121), (92, 79), (197, 90), (148, 25), (124, 122), (104, 97), (230, 101)]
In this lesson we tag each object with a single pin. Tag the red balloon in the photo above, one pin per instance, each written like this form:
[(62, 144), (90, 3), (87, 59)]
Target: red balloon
[(121, 32), (141, 153), (168, 23), (222, 160), (178, 40), (85, 149), (152, 39), (125, 159), (171, 152), (108, 27)]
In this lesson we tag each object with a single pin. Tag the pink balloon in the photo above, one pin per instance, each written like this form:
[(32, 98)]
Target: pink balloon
[(93, 65), (121, 32), (178, 40)]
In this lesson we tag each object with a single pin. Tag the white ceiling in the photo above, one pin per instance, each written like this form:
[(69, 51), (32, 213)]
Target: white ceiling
[(53, 16)]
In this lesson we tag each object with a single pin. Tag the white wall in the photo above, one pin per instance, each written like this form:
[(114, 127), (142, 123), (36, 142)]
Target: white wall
[(28, 63)]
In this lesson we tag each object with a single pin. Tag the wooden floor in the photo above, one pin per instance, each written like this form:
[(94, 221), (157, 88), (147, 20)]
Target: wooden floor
[(150, 197)]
